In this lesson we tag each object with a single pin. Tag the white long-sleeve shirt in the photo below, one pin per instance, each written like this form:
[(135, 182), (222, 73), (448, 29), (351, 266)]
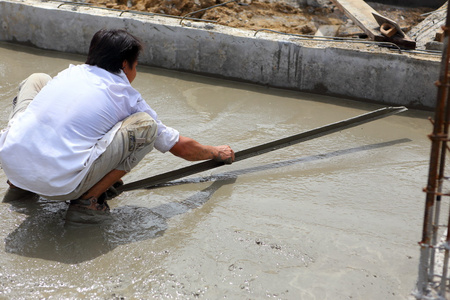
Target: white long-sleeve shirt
[(49, 148)]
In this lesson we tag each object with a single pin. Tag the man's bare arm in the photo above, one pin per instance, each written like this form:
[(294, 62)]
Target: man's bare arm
[(192, 150)]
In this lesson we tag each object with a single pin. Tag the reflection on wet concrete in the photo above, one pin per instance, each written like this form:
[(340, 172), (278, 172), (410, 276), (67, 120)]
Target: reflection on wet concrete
[(233, 174), (47, 235)]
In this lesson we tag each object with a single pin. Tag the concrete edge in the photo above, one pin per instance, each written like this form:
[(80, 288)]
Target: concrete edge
[(355, 71)]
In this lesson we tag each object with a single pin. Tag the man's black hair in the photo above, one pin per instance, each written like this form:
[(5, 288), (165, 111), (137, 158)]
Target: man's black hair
[(110, 47)]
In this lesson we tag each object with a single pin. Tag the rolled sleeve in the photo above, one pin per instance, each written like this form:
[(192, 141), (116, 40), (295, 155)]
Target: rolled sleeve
[(166, 139)]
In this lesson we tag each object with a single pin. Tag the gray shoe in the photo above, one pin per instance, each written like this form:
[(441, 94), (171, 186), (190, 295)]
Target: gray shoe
[(89, 204), (87, 211)]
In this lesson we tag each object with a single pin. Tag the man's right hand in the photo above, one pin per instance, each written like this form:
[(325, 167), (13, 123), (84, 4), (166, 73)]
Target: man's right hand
[(224, 154)]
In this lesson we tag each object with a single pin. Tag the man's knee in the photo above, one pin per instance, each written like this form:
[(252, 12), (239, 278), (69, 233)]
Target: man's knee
[(141, 128), (138, 134), (40, 77), (37, 80)]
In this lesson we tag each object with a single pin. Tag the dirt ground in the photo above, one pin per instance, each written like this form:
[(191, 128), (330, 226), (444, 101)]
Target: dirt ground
[(256, 14)]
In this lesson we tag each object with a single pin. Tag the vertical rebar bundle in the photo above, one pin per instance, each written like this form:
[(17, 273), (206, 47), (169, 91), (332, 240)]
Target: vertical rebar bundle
[(439, 139)]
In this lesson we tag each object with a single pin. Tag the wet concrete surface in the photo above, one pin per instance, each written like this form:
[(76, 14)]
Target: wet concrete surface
[(337, 217)]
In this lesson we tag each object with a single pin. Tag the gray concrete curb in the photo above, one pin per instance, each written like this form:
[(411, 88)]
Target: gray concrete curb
[(355, 71)]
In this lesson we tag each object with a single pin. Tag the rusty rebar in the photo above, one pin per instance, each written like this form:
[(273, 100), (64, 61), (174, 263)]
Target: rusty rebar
[(439, 139)]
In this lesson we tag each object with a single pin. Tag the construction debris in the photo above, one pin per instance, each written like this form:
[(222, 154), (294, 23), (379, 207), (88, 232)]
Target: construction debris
[(376, 26), (428, 33), (327, 30), (284, 16)]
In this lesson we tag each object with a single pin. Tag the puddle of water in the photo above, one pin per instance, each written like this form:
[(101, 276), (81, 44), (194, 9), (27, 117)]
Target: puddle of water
[(333, 218)]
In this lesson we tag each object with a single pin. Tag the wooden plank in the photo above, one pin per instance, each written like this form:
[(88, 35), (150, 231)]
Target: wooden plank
[(361, 14), (400, 38), (382, 19), (365, 17)]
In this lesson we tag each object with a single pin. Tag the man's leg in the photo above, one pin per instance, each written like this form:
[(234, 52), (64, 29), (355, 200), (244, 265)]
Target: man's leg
[(132, 142), (104, 184), (28, 89)]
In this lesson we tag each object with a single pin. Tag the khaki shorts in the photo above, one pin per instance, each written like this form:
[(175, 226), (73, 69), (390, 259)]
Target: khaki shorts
[(134, 139)]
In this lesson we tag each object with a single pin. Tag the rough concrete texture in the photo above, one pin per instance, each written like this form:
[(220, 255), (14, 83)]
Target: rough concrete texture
[(355, 70)]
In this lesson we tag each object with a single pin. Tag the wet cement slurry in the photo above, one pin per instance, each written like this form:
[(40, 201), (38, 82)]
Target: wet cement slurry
[(337, 217)]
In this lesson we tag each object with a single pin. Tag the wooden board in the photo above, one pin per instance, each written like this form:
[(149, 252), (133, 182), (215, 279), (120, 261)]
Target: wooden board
[(361, 14), (382, 19), (364, 16)]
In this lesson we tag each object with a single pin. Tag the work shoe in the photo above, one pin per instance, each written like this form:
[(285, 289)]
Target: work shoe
[(87, 211), (89, 204)]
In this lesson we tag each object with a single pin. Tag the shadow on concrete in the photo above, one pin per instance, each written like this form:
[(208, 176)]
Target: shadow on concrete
[(45, 233), (233, 174)]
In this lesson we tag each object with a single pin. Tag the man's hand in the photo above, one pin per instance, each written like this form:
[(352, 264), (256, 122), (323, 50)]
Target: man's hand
[(224, 154)]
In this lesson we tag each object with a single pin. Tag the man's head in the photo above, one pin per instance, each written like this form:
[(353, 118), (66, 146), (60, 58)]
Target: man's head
[(111, 47)]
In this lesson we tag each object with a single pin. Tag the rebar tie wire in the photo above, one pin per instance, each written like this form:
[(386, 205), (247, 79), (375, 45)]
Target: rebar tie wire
[(128, 11), (339, 39), (331, 39), (439, 246), (442, 246), (427, 191), (438, 137), (438, 83), (322, 38), (305, 37), (204, 9), (71, 3)]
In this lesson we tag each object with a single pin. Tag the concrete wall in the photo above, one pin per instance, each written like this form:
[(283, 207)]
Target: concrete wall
[(282, 61)]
